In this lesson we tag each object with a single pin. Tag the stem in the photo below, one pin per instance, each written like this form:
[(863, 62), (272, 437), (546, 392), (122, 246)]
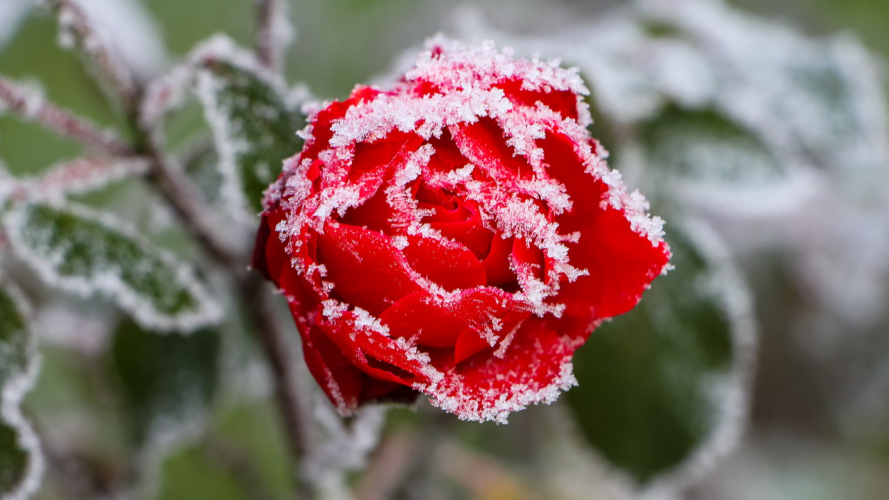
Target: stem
[(272, 33), (31, 106), (72, 17), (391, 464), (188, 204), (169, 178), (273, 340), (84, 174), (178, 191)]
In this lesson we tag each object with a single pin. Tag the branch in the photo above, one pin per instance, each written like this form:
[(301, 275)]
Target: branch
[(273, 33), (391, 464), (178, 191), (188, 204), (82, 175), (72, 17), (273, 340), (31, 106)]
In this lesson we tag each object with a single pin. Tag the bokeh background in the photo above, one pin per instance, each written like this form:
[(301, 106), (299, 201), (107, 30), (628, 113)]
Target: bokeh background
[(819, 407)]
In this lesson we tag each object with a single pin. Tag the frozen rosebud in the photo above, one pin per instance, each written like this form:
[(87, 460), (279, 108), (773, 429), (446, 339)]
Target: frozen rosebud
[(458, 235)]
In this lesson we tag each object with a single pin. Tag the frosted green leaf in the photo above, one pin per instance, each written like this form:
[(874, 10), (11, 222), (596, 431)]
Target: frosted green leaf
[(253, 127), (168, 382), (704, 147), (662, 388), (21, 464), (77, 250)]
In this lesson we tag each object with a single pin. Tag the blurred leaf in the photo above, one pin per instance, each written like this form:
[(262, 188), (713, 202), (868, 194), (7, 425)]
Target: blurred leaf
[(705, 147), (825, 96), (13, 460), (168, 381), (81, 251), (657, 384), (14, 344), (253, 127), (19, 452)]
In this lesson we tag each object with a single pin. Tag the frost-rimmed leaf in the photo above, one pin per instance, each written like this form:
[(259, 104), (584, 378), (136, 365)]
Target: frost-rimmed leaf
[(254, 126), (818, 99), (168, 385), (21, 461), (75, 249), (663, 389), (704, 157), (821, 97), (167, 381), (252, 114)]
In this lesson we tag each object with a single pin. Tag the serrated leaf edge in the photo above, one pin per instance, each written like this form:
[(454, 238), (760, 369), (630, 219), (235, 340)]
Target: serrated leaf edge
[(228, 145), (10, 407), (207, 312), (734, 387), (737, 300)]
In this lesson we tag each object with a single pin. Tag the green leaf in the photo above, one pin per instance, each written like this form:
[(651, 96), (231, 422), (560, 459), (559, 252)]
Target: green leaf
[(80, 251), (665, 381), (831, 98), (168, 382), (13, 460), (20, 459), (253, 126), (703, 147)]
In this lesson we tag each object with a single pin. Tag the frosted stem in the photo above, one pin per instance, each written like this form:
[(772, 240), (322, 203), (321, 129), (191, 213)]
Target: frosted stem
[(272, 33), (390, 465), (83, 174), (273, 339), (188, 204), (31, 106), (72, 17)]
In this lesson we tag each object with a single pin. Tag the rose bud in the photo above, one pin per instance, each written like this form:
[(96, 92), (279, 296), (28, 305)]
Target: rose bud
[(458, 235)]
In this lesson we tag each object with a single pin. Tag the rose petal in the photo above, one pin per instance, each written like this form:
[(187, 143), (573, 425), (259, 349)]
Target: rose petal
[(417, 316), (621, 262), (484, 144), (339, 378), (563, 102), (534, 368), (469, 343), (367, 270), (449, 265), (496, 264)]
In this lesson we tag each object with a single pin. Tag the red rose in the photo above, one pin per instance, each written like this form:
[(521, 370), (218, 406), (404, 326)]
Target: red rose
[(458, 235)]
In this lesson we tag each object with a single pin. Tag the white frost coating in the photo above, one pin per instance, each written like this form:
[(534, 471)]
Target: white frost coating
[(461, 66), (108, 282), (229, 144), (818, 99), (517, 397), (732, 389), (369, 120), (164, 94), (170, 91), (368, 322), (223, 48), (13, 391), (82, 175), (127, 28)]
